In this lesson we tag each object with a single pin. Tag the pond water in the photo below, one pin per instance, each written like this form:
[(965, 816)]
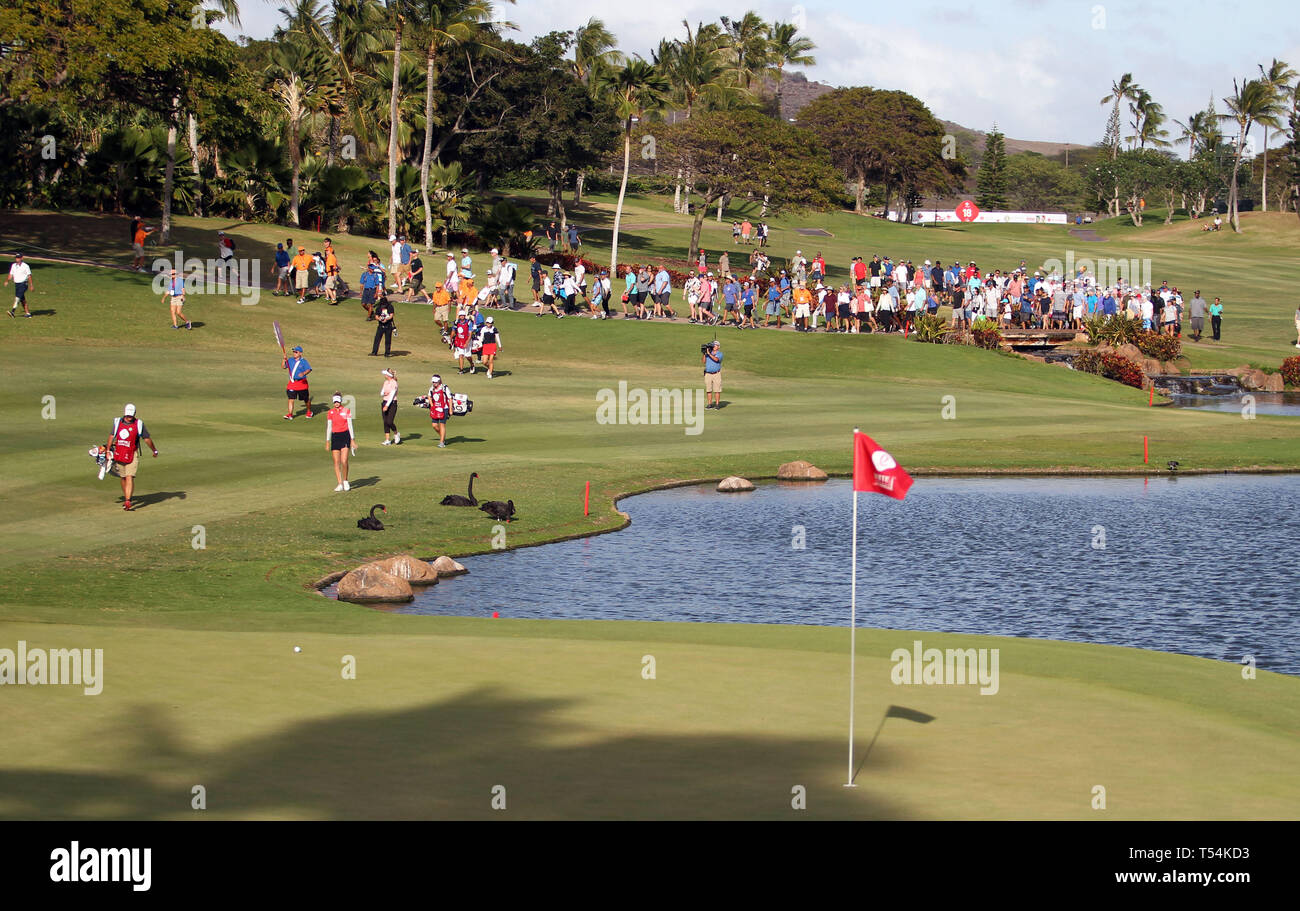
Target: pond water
[(1283, 403), (1203, 565)]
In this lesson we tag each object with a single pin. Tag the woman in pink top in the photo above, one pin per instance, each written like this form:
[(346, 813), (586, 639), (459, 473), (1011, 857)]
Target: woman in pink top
[(339, 438)]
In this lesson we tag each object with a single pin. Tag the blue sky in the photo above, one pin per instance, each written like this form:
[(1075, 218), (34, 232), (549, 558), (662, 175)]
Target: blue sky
[(1036, 67)]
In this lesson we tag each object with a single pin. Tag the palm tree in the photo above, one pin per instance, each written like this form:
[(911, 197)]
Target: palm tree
[(1250, 102), (444, 24), (1278, 77), (452, 197), (787, 48), (595, 51), (635, 88), (357, 35), (1123, 89), (254, 178), (747, 42), (399, 22), (344, 189), (698, 67), (303, 80), (1149, 120), (1196, 131)]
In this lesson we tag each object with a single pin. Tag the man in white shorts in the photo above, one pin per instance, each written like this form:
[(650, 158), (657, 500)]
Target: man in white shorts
[(803, 310)]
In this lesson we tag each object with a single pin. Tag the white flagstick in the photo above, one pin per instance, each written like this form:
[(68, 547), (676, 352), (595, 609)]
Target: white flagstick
[(853, 620)]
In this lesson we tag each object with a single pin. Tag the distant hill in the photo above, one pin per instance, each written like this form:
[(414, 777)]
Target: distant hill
[(797, 91)]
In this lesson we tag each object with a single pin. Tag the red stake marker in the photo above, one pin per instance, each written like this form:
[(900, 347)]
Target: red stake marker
[(586, 500), (1151, 397), (1145, 452)]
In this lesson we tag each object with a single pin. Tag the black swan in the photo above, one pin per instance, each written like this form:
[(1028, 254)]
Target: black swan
[(455, 499), (370, 523), (498, 510)]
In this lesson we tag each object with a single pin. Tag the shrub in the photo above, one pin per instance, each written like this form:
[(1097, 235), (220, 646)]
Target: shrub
[(986, 334), (1120, 330), (1291, 371), (1160, 347), (929, 328), (1095, 326), (1112, 366)]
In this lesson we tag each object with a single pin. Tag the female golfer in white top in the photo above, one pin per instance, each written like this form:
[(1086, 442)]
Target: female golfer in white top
[(388, 407)]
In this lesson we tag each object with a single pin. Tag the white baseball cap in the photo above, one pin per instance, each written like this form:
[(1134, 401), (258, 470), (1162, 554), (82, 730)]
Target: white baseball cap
[(392, 237), (337, 398), (129, 410), (464, 249), (495, 250), (435, 379)]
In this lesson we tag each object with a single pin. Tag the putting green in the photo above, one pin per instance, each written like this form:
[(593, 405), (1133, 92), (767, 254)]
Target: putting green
[(202, 686), (732, 722)]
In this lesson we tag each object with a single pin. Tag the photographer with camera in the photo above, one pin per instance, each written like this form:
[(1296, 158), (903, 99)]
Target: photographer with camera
[(711, 356)]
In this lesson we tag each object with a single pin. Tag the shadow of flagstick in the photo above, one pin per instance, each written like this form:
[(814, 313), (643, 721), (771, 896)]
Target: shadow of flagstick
[(894, 711)]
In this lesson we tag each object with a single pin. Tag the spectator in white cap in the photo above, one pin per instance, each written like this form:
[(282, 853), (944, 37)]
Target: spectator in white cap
[(466, 263)]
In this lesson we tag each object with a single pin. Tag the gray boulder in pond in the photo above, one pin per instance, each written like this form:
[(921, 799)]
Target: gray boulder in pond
[(372, 583), (414, 571), (800, 470), (734, 484), (446, 566)]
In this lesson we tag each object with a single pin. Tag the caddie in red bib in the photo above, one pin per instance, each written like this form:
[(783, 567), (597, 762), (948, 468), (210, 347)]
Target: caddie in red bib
[(124, 445), (439, 408)]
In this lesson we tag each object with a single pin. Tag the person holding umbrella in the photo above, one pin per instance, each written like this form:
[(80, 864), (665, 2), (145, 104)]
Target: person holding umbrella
[(388, 407), (297, 389), (339, 438)]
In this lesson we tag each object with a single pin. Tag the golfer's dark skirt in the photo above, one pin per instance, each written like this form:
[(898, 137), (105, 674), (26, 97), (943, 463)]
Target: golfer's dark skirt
[(340, 440)]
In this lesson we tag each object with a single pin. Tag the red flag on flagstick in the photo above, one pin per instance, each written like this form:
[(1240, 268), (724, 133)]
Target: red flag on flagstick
[(875, 470)]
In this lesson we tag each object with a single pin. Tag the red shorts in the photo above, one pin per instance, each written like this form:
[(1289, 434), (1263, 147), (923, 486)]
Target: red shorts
[(489, 349)]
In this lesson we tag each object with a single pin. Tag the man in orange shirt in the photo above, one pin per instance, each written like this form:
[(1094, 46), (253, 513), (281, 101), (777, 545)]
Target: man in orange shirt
[(441, 306), (802, 307), (301, 264), (137, 246), (466, 292)]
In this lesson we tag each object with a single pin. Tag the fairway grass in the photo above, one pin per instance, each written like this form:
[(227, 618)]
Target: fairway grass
[(202, 686)]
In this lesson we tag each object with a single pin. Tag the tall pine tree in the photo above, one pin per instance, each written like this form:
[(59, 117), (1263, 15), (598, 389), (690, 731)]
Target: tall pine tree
[(992, 180)]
